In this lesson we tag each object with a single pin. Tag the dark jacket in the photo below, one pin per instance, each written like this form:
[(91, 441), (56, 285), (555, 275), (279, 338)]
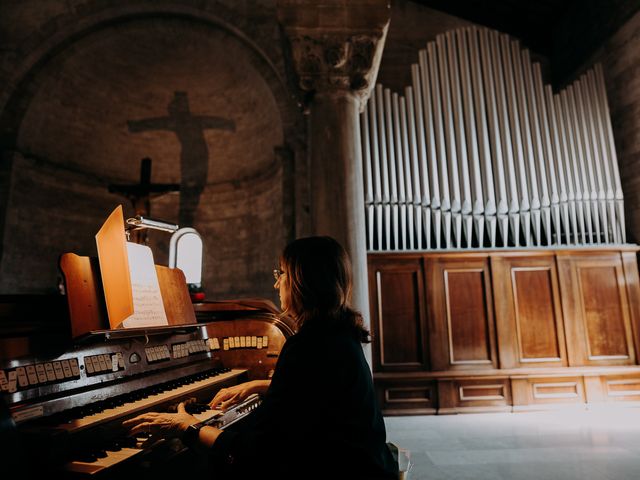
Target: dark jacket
[(318, 419)]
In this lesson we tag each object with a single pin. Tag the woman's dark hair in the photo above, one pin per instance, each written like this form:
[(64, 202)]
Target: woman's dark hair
[(320, 284)]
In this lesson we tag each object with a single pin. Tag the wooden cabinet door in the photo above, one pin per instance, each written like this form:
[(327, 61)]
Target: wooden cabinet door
[(398, 320), (528, 311), (462, 334), (596, 309)]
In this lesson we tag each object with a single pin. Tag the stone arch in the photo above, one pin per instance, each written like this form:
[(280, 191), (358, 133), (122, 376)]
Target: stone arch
[(57, 39), (42, 48)]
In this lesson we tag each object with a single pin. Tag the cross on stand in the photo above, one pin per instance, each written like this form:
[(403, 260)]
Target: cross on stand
[(140, 196)]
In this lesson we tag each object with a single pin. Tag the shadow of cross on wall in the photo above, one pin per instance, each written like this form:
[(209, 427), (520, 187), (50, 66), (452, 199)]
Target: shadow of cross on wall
[(194, 154)]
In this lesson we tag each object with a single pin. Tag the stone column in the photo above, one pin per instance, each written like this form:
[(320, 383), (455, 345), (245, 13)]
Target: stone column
[(336, 185), (335, 47)]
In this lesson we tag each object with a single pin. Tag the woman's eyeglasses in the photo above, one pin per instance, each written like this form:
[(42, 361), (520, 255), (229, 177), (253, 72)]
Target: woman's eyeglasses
[(277, 273)]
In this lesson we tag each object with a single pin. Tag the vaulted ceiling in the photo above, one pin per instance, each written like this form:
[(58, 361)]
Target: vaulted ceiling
[(567, 32)]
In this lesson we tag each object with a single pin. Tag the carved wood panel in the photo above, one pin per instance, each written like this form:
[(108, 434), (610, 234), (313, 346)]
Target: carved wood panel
[(528, 311), (407, 396), (398, 314), (632, 282), (596, 309), (461, 314), (487, 394)]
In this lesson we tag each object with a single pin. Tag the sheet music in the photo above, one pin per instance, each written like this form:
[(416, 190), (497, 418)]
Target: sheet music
[(148, 309)]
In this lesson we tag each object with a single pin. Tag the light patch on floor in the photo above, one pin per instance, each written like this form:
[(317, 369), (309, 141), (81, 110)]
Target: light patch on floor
[(600, 444)]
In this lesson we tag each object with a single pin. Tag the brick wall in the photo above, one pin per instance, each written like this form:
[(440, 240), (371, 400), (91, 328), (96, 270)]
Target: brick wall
[(75, 76)]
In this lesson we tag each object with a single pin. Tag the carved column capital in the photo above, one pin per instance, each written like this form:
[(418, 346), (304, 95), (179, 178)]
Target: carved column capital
[(335, 46)]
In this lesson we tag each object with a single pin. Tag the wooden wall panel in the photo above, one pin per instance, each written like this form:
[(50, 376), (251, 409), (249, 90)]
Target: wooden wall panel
[(505, 330), (536, 321), (537, 392), (596, 309), (603, 316), (469, 395), (461, 317), (402, 396), (528, 311), (398, 314), (632, 282), (622, 388)]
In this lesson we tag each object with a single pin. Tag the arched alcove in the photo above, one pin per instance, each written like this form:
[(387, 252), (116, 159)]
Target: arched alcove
[(91, 108)]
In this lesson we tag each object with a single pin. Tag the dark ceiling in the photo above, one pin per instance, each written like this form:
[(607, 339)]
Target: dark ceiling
[(568, 32), (531, 21)]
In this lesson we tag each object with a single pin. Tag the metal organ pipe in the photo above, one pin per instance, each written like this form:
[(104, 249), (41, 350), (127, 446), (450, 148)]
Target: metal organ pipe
[(478, 152)]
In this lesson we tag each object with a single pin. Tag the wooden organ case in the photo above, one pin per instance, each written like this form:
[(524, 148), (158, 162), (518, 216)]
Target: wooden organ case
[(505, 331), (68, 381)]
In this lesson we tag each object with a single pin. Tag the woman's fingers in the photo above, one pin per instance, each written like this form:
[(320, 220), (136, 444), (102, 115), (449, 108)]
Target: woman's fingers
[(220, 397), (140, 418), (141, 427)]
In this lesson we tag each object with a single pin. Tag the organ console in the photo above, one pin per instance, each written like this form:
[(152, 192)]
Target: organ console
[(68, 394), (68, 401)]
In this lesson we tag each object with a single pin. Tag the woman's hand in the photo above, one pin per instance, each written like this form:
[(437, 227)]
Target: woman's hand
[(236, 394), (163, 424)]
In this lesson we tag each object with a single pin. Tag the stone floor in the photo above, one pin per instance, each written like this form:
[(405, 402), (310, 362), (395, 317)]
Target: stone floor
[(601, 444)]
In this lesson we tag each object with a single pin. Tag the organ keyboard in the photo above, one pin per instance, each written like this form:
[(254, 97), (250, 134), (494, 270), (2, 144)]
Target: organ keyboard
[(72, 404)]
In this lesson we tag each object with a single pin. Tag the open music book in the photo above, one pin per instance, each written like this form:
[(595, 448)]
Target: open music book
[(129, 279)]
